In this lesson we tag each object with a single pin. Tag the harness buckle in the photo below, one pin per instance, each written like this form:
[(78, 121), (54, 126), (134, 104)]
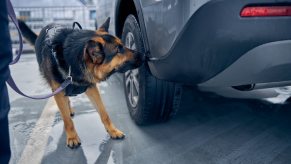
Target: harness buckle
[(69, 75), (70, 78)]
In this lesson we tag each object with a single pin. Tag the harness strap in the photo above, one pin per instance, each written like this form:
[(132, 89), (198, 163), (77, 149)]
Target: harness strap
[(10, 80), (78, 24)]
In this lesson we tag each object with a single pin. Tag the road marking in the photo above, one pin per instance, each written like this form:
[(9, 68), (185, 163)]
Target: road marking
[(35, 147)]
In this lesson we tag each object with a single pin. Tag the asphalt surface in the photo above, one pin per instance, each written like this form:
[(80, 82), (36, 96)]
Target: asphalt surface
[(207, 128)]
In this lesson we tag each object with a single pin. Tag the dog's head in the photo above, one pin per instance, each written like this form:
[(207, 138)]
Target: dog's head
[(106, 54)]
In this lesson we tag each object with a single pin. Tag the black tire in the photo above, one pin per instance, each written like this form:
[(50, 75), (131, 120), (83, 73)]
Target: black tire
[(158, 100)]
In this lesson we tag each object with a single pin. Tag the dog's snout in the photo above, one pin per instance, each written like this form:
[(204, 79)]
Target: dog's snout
[(134, 60), (139, 57)]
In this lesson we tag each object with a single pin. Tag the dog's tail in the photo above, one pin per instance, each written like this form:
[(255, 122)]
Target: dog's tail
[(28, 34)]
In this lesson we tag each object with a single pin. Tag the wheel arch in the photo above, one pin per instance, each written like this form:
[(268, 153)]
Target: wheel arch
[(125, 8)]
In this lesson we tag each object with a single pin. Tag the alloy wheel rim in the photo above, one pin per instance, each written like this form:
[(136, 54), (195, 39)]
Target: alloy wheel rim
[(131, 76)]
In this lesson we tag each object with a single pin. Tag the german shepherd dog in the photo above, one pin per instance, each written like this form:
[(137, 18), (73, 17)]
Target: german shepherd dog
[(89, 57)]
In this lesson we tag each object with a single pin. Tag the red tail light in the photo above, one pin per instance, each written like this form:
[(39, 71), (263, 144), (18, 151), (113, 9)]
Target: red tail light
[(267, 11)]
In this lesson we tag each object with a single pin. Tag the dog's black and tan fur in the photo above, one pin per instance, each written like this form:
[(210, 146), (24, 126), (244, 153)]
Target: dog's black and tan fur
[(92, 55)]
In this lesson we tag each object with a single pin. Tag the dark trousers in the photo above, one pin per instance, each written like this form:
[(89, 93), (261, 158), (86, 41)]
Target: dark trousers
[(5, 59), (4, 130), (4, 148)]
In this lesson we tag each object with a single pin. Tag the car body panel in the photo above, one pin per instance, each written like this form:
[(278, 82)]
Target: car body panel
[(164, 21)]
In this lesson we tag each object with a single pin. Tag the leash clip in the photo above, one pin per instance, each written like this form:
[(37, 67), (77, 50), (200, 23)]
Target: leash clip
[(70, 78), (69, 75)]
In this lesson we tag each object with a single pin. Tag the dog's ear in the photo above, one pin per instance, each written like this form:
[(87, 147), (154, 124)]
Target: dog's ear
[(94, 52), (105, 26)]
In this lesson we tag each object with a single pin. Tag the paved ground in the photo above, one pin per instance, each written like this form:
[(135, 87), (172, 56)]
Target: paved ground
[(207, 129)]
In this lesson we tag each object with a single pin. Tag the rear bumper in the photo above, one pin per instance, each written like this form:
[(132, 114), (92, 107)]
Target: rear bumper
[(270, 62), (215, 37)]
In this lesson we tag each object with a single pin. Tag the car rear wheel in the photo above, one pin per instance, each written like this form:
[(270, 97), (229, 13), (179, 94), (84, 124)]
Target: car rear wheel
[(148, 98)]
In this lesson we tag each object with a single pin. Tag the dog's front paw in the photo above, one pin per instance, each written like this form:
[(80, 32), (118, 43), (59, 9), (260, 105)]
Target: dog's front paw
[(116, 134), (73, 142)]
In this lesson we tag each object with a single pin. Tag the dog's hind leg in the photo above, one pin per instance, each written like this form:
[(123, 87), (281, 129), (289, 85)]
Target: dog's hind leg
[(94, 96), (62, 101)]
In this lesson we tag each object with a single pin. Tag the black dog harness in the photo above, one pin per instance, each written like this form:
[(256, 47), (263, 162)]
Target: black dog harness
[(74, 88)]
